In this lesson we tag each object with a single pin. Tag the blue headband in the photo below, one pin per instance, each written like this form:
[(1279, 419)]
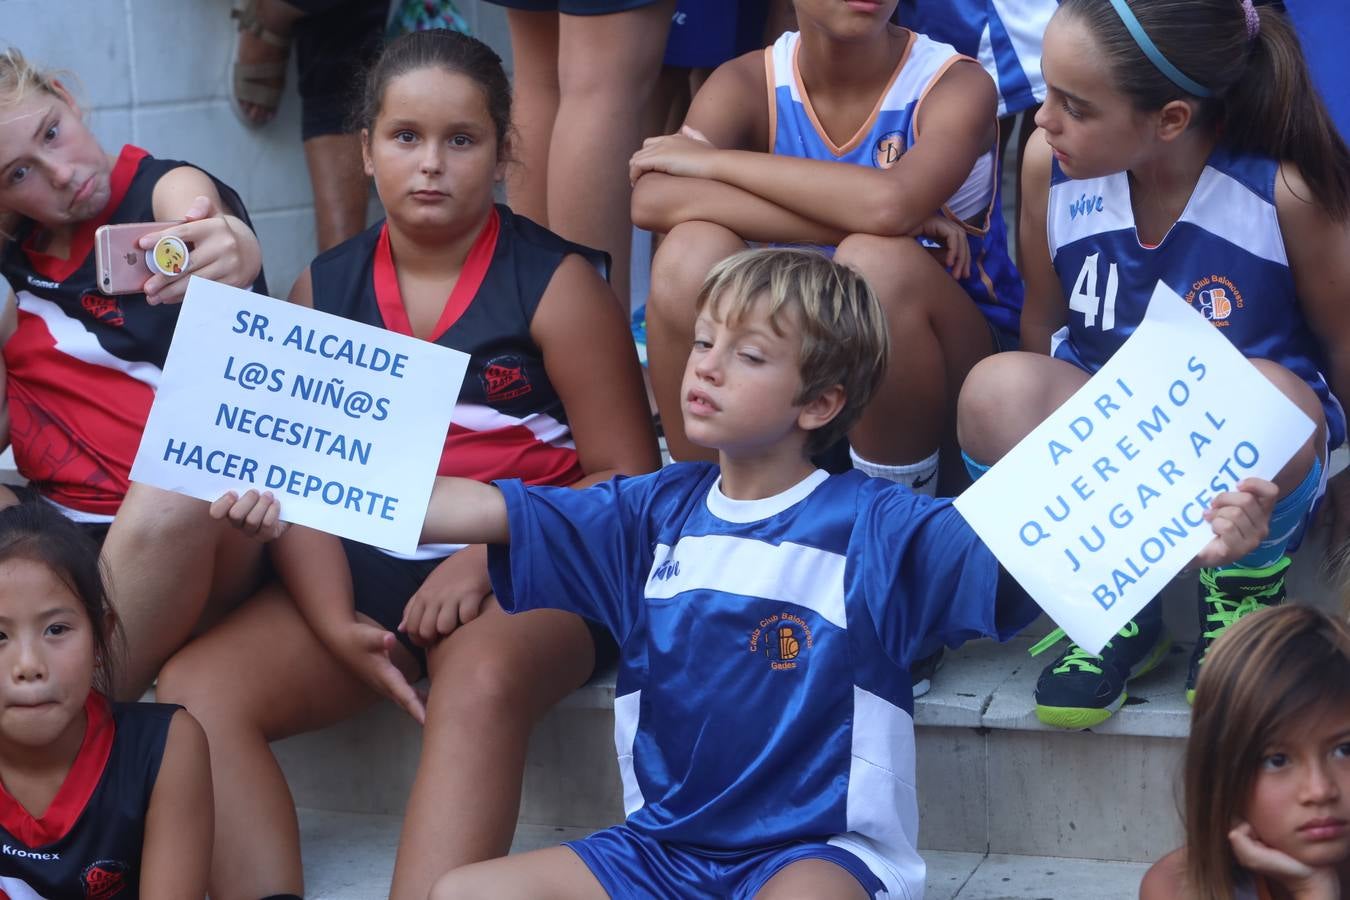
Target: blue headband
[(1154, 55)]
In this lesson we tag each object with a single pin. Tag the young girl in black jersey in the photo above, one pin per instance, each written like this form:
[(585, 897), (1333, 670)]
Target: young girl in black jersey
[(553, 395), (97, 799)]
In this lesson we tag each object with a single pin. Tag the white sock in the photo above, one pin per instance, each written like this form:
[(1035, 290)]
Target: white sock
[(920, 477)]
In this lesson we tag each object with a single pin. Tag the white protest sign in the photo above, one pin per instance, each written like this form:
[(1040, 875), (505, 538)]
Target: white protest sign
[(343, 422), (1099, 507)]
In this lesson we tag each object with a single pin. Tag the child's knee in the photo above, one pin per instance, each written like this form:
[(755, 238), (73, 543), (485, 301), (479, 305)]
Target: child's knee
[(1294, 387), (890, 265), (188, 685), (163, 519), (998, 395), (683, 260), (485, 691), (463, 883), (449, 886)]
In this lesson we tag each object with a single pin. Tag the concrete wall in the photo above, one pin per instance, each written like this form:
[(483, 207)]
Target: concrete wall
[(156, 73)]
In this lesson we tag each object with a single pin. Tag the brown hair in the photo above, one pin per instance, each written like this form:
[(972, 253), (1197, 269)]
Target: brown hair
[(444, 49), (1272, 669), (843, 330), (35, 531), (1263, 99)]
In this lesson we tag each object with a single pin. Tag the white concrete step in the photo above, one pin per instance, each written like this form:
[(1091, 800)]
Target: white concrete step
[(350, 856)]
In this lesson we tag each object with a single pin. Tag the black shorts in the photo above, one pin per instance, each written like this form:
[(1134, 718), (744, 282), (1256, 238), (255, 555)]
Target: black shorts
[(384, 584), (335, 43), (28, 494), (574, 7)]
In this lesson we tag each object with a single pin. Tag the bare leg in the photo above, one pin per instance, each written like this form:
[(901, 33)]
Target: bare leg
[(555, 873), (260, 676), (1008, 395), (607, 65), (490, 682), (812, 878), (167, 563), (534, 51), (340, 190), (678, 270), (937, 336), (1298, 391)]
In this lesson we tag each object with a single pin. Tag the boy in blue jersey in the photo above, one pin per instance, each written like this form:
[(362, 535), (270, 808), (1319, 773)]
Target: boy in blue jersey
[(767, 613)]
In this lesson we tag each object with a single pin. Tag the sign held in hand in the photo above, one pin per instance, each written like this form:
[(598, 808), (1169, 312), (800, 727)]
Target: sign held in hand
[(1100, 506), (342, 421)]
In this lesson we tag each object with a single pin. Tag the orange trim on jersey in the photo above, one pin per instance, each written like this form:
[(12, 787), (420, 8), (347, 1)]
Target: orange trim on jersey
[(863, 130), (994, 170), (73, 795), (389, 298), (55, 268), (773, 97), (985, 279)]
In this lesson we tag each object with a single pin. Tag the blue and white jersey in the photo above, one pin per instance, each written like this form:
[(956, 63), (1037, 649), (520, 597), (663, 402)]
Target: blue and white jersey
[(1225, 255), (763, 692), (893, 127), (1004, 35)]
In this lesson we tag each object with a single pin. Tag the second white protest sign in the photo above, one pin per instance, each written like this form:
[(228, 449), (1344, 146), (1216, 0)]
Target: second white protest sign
[(1101, 505)]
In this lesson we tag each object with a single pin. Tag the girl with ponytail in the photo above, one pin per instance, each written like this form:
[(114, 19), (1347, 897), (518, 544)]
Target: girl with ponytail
[(1181, 141)]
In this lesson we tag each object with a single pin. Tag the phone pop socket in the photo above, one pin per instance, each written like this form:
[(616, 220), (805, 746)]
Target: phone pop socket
[(168, 257)]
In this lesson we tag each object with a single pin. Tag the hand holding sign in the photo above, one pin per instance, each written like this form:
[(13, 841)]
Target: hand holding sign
[(256, 515), (1240, 519), (1109, 497)]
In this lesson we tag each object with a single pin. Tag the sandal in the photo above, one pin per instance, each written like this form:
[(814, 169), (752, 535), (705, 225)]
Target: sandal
[(259, 84)]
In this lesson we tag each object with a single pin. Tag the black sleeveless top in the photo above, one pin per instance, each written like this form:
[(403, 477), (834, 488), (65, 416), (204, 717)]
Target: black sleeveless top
[(88, 843), (83, 367)]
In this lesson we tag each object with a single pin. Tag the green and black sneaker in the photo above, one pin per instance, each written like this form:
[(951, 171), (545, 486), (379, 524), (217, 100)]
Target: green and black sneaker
[(1080, 690), (1227, 595)]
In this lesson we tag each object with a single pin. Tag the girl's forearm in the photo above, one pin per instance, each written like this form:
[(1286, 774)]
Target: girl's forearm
[(847, 198), (660, 202)]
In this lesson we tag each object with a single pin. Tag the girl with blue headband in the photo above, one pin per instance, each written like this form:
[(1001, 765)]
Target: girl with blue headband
[(1181, 141)]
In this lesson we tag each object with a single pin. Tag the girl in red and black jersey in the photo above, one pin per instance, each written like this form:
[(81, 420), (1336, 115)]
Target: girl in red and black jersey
[(553, 395), (97, 799), (80, 369)]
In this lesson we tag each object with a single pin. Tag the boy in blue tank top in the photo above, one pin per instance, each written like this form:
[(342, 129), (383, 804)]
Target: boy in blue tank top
[(767, 613), (1178, 144)]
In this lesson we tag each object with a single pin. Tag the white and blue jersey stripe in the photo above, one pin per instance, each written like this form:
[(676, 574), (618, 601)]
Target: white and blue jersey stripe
[(1004, 35), (893, 127), (763, 693), (1225, 255)]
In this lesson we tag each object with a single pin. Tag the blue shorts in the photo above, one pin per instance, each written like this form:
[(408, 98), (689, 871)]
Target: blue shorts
[(574, 7), (706, 33), (629, 864)]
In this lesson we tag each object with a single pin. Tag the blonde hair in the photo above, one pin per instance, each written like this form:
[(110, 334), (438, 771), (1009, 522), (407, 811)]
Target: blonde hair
[(1271, 670), (19, 78), (843, 330)]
